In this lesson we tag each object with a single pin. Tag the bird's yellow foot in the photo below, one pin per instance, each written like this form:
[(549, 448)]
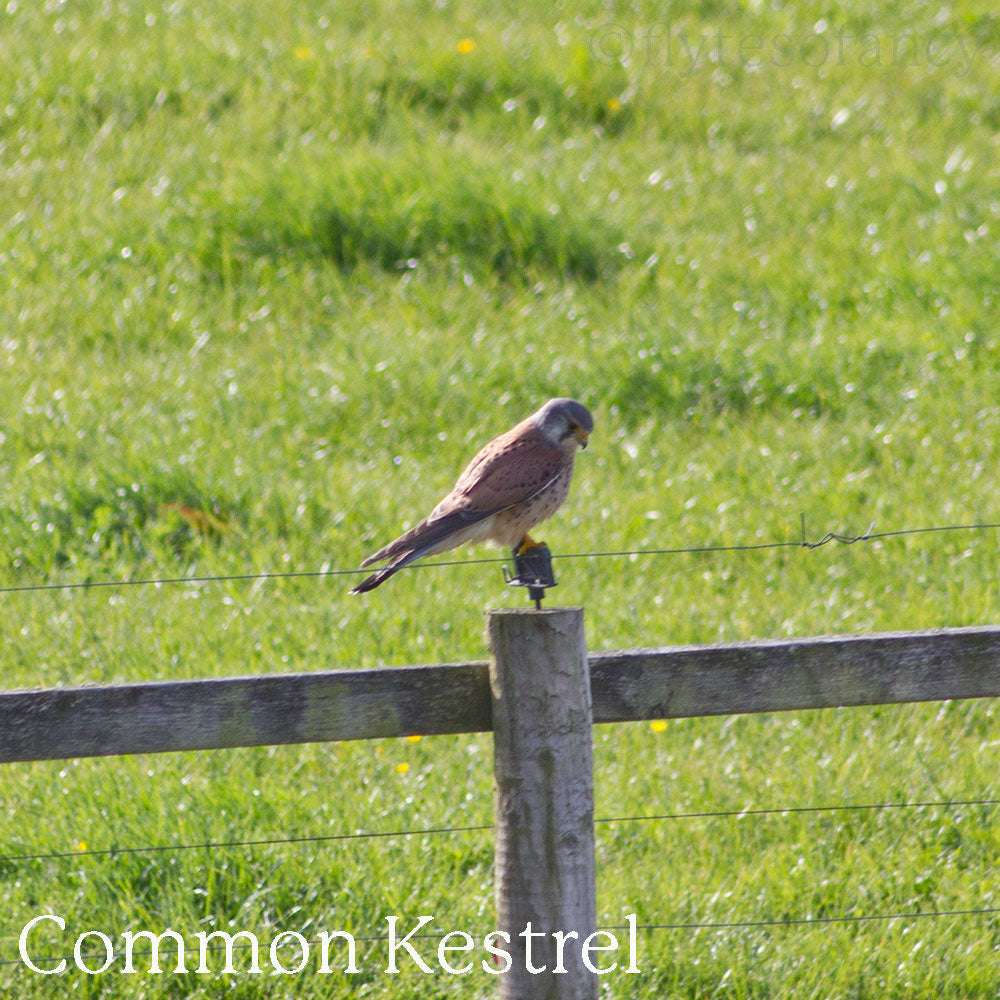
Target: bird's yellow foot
[(527, 543)]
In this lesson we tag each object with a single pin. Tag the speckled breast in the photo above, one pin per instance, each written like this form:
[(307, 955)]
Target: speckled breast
[(512, 525)]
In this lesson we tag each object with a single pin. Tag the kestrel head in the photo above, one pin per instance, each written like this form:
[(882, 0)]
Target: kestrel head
[(562, 420)]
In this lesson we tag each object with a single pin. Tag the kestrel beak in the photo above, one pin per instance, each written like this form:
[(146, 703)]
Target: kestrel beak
[(581, 435)]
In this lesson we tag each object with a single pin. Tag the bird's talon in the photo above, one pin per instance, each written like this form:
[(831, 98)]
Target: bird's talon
[(527, 544)]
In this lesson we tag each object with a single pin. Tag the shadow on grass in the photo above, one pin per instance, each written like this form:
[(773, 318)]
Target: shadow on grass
[(571, 93), (700, 385), (111, 519), (395, 213)]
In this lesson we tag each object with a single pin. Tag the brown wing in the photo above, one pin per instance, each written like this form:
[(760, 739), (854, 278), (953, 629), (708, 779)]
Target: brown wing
[(510, 470)]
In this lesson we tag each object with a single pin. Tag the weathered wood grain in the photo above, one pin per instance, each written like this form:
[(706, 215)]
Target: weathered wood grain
[(780, 674), (243, 711), (543, 801), (668, 682)]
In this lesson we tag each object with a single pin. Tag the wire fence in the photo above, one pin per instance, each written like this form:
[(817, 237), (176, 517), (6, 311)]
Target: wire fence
[(703, 925), (777, 923), (707, 925), (718, 925), (803, 542), (218, 845), (805, 921)]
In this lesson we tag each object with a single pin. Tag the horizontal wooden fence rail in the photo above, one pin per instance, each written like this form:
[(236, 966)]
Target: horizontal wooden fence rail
[(630, 685)]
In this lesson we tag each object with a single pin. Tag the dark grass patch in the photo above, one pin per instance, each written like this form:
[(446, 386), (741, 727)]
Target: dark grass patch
[(697, 384), (82, 107), (114, 520), (133, 107), (398, 213), (574, 92), (709, 387)]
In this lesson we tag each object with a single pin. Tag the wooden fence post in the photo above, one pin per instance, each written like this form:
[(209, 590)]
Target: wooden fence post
[(543, 802)]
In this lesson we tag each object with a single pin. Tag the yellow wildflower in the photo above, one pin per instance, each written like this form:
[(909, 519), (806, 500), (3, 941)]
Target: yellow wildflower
[(466, 45)]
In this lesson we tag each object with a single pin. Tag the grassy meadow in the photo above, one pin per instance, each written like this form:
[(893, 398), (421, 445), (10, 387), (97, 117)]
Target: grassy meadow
[(272, 272)]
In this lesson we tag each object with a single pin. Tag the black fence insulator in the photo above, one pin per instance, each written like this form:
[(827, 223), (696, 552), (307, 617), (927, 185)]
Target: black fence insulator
[(532, 569)]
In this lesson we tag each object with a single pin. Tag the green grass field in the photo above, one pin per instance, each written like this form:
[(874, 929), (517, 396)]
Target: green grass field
[(271, 273)]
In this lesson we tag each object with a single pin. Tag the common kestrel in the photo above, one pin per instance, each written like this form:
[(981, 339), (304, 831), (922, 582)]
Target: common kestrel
[(516, 481)]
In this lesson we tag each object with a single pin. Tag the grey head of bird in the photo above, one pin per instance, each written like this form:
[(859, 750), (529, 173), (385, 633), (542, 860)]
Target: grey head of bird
[(561, 419)]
